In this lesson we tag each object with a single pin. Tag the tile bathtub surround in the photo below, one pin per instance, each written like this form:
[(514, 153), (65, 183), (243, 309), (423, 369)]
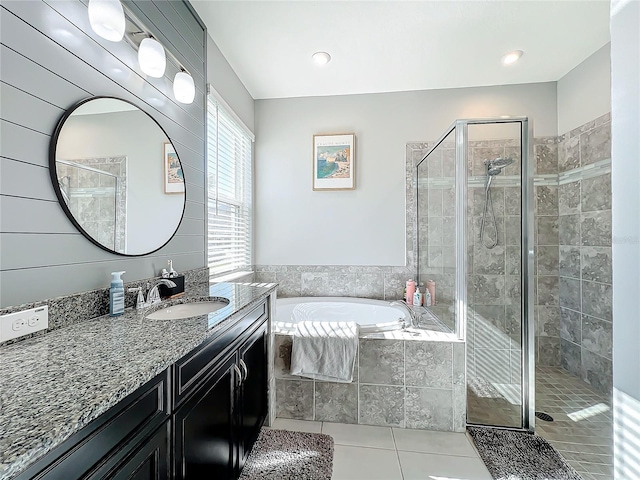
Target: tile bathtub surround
[(70, 309), (400, 383), (54, 385), (586, 291)]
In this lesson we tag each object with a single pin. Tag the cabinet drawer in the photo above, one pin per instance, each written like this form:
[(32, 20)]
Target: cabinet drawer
[(192, 369), (139, 414)]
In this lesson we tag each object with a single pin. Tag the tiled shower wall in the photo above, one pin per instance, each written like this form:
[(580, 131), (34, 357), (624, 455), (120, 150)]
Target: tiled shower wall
[(585, 253), (99, 204), (494, 294)]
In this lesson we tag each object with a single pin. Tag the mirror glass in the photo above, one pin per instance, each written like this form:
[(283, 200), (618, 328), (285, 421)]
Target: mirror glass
[(117, 176)]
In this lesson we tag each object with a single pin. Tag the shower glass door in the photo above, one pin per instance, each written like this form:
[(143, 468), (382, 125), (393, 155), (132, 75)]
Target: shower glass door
[(494, 270), (475, 240)]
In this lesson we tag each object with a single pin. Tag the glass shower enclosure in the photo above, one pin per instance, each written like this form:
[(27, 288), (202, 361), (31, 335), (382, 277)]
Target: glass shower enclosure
[(93, 197), (475, 239)]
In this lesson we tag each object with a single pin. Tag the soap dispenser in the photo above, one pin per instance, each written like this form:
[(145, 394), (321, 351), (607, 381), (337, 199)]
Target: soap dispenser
[(116, 295)]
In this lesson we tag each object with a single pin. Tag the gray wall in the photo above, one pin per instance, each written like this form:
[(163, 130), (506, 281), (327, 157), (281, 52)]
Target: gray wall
[(585, 92), (51, 59), (625, 51), (365, 226), (222, 77)]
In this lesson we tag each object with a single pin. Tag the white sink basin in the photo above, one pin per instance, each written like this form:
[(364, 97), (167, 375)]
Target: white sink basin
[(186, 310)]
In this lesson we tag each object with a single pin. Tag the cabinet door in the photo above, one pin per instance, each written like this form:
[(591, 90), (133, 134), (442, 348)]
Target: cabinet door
[(253, 395), (204, 428), (150, 461), (107, 441)]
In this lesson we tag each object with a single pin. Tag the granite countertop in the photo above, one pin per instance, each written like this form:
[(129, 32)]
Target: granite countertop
[(53, 385)]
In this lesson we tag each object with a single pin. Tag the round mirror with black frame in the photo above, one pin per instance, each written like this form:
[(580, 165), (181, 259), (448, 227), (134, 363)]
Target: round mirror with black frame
[(117, 176)]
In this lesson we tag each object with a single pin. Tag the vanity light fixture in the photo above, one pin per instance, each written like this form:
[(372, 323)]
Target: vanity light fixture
[(107, 19), (151, 57), (114, 21), (512, 57), (183, 87), (321, 58)]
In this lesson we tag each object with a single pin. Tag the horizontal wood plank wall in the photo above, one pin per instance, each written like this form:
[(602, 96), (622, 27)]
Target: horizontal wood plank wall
[(50, 59)]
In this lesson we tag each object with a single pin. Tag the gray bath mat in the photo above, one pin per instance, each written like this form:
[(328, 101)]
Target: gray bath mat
[(522, 456), (284, 455)]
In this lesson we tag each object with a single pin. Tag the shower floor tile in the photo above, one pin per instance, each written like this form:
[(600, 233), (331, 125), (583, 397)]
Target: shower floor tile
[(582, 430)]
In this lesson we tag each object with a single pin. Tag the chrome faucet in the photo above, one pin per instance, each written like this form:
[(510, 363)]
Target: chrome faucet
[(412, 314), (153, 296)]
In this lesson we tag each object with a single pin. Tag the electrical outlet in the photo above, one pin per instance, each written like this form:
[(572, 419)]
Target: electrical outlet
[(17, 324)]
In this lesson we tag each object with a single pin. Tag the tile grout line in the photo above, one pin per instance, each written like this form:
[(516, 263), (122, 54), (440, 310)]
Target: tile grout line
[(393, 437)]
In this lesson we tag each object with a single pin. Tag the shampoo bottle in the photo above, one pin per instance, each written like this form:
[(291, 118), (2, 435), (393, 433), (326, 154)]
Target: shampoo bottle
[(116, 295), (410, 290)]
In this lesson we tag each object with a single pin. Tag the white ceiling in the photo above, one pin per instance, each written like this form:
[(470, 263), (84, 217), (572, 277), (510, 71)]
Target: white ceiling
[(388, 46)]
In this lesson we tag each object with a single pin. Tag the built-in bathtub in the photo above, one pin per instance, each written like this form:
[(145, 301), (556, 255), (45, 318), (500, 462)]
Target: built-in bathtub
[(405, 377), (372, 316)]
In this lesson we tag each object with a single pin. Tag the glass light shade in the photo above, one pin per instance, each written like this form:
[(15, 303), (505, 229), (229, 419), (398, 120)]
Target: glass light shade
[(183, 87), (152, 58), (107, 19)]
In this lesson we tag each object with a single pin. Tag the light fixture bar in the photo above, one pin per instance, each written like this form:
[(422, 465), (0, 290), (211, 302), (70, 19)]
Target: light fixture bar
[(133, 36)]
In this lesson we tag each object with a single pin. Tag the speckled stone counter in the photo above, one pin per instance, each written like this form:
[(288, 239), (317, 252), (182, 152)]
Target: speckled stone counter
[(53, 385)]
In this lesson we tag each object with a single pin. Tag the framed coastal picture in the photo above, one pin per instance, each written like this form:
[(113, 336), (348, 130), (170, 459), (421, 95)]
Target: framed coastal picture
[(173, 175), (334, 158)]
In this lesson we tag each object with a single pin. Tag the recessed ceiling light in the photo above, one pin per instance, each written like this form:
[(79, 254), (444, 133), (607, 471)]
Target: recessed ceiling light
[(512, 57), (321, 58)]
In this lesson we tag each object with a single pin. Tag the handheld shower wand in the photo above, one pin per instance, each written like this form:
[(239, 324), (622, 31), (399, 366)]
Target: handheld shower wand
[(494, 167)]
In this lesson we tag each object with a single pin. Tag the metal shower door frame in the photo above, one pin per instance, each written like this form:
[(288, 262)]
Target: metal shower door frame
[(461, 129)]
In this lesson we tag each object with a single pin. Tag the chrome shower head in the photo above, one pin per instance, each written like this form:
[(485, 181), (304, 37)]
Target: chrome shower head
[(494, 167)]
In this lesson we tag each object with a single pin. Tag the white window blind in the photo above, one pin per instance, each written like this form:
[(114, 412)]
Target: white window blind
[(229, 192)]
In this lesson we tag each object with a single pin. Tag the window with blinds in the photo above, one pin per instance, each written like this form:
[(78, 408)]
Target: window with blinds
[(229, 192)]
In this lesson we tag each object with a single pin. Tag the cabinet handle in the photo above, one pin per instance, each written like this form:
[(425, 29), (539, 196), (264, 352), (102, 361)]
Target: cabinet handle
[(238, 372), (246, 370)]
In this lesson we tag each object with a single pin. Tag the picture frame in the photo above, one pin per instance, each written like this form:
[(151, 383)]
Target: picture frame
[(334, 161), (173, 174)]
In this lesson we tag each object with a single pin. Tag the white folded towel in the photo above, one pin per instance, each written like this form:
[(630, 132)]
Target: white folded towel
[(325, 350)]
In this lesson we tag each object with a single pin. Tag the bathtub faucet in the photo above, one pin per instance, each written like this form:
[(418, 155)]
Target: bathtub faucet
[(412, 314)]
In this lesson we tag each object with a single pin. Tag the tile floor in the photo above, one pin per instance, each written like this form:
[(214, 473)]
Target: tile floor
[(370, 453), (582, 430)]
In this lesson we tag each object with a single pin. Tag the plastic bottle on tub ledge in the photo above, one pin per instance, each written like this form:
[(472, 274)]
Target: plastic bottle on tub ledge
[(417, 298), (426, 299), (410, 290), (431, 287)]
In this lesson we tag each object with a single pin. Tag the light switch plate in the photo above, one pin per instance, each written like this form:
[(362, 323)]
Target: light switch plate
[(17, 324)]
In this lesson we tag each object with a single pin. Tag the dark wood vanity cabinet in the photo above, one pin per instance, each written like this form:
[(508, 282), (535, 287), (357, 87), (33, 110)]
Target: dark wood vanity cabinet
[(216, 426), (197, 419), (204, 425), (253, 400)]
